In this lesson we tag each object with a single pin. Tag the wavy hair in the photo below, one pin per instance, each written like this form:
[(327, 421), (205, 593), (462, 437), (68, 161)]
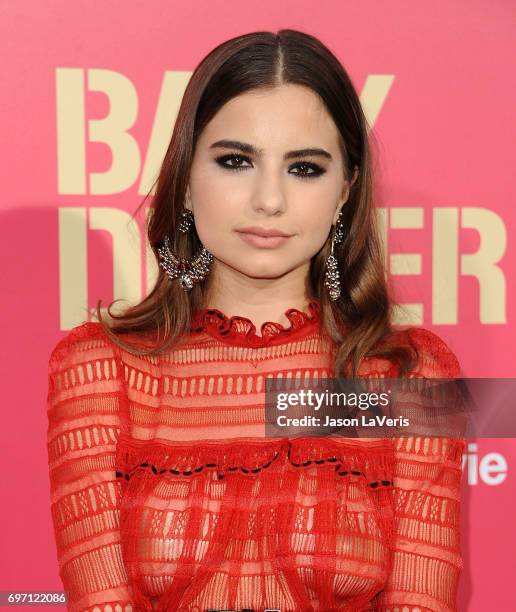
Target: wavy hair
[(359, 322)]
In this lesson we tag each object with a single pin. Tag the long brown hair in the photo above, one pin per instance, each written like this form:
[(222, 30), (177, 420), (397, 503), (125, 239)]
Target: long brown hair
[(360, 321)]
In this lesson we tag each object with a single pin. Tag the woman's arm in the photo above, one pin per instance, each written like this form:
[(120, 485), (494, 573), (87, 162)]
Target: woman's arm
[(427, 560), (83, 426)]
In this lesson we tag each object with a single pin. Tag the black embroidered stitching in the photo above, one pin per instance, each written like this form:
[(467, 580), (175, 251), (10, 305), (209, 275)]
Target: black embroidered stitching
[(154, 470), (373, 484)]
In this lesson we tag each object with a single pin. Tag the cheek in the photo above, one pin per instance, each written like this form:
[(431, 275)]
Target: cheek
[(314, 230), (215, 220)]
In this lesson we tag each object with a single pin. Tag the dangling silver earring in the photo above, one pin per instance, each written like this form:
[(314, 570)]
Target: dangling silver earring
[(186, 220), (332, 278), (189, 271)]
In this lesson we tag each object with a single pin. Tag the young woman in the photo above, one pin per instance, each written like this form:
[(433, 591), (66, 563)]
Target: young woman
[(166, 494)]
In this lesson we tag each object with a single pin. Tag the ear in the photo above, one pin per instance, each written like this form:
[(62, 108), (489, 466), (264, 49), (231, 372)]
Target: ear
[(345, 193), (355, 176), (337, 212), (349, 184), (188, 200)]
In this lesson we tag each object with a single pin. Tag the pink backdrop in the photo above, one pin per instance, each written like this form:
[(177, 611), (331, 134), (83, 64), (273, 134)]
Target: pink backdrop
[(90, 93)]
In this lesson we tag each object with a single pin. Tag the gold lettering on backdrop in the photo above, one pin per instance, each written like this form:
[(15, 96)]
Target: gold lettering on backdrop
[(374, 93), (73, 266), (70, 137), (483, 264), (127, 259), (75, 130), (172, 90), (113, 130), (445, 261), (73, 258), (404, 218), (449, 265)]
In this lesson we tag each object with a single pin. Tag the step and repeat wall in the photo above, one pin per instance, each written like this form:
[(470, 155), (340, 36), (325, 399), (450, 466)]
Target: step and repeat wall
[(90, 96)]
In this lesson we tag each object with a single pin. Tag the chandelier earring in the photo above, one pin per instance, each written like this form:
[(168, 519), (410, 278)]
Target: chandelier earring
[(332, 278), (188, 271)]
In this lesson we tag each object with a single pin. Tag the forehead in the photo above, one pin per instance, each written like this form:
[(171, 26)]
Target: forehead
[(288, 115)]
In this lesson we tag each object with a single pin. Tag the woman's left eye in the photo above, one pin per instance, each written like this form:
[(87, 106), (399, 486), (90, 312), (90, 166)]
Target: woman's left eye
[(315, 170)]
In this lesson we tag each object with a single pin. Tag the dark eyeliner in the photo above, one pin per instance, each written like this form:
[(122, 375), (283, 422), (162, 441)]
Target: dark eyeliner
[(220, 161), (316, 170)]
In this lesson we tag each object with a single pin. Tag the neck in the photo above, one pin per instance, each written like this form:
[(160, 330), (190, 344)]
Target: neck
[(258, 299)]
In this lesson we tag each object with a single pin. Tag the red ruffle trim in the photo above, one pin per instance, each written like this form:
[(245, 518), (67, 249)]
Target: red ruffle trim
[(242, 331), (372, 461)]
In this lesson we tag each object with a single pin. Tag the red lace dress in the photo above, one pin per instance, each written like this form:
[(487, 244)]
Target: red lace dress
[(166, 495)]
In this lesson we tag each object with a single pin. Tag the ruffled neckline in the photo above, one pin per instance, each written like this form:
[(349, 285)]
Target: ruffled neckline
[(241, 331)]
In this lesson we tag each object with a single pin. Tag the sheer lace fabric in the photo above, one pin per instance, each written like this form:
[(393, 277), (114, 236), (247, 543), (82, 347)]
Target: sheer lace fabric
[(166, 495)]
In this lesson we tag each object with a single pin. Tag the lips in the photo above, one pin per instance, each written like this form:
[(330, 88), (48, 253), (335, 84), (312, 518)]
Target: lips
[(261, 231), (263, 242)]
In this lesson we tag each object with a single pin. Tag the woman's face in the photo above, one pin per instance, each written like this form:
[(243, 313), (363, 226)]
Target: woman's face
[(267, 182)]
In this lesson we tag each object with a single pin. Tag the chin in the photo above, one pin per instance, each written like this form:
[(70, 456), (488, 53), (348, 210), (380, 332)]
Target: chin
[(254, 268), (255, 271)]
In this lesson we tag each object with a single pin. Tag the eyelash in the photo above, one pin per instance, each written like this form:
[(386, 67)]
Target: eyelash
[(316, 170)]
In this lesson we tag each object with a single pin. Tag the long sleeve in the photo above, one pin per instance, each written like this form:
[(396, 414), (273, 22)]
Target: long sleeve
[(426, 556), (83, 404)]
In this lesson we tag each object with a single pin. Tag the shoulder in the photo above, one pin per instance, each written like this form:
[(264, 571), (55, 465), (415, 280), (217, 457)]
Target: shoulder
[(435, 358), (76, 344)]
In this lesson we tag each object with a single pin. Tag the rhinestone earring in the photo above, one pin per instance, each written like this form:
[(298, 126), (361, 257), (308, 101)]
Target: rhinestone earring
[(186, 220), (189, 271), (332, 278)]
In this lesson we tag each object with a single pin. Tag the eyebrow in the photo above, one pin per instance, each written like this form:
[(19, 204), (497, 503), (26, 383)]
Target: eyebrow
[(247, 148)]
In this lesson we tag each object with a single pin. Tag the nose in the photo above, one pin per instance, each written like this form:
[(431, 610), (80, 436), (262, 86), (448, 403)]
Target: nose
[(269, 206), (269, 198)]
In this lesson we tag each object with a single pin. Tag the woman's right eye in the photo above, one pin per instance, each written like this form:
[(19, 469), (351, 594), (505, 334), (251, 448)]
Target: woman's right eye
[(222, 161)]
